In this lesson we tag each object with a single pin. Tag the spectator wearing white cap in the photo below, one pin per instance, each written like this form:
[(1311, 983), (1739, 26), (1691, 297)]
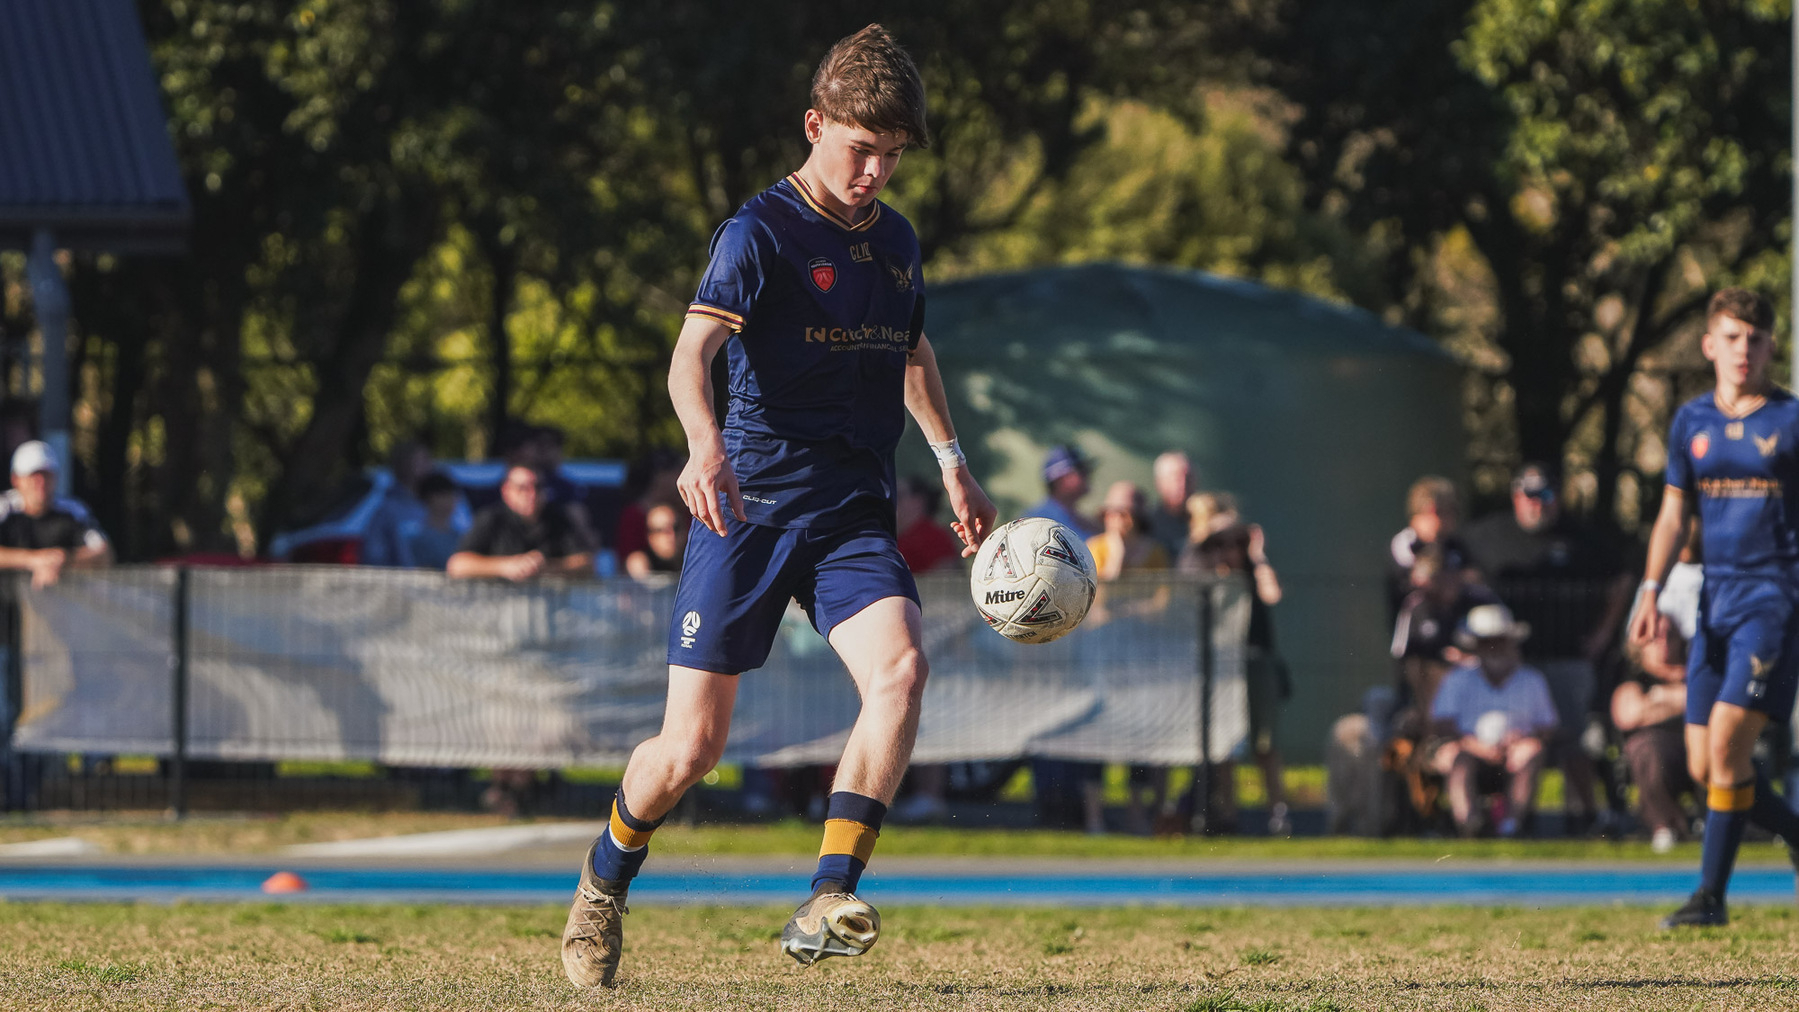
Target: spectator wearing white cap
[(40, 533), (1497, 715)]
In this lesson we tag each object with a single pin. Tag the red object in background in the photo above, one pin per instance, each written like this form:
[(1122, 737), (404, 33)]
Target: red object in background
[(284, 882), (633, 532), (927, 545), (329, 552)]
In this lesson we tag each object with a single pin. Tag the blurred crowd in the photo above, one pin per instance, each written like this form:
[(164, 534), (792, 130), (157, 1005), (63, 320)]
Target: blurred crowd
[(1507, 642), (1510, 659)]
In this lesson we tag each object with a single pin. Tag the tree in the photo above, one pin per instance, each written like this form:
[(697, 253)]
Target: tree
[(1608, 161)]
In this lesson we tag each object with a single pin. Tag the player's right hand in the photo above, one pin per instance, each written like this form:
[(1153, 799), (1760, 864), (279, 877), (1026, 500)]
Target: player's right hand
[(708, 473)]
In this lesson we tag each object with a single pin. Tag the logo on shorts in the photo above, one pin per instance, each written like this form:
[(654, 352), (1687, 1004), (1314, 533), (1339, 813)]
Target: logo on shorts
[(690, 624), (824, 273), (1699, 445)]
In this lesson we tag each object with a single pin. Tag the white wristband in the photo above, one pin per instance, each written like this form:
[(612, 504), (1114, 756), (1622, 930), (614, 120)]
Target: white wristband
[(1650, 585), (949, 455)]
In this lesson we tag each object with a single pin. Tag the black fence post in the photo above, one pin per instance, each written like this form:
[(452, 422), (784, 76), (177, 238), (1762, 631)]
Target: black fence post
[(178, 765), (1202, 790)]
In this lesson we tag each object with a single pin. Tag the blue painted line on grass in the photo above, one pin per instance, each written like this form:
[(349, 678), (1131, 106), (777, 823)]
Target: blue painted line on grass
[(1512, 886)]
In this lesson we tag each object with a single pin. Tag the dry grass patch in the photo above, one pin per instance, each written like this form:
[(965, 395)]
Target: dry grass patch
[(272, 956)]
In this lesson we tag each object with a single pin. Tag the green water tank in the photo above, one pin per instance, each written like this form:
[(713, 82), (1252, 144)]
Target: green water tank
[(1317, 417)]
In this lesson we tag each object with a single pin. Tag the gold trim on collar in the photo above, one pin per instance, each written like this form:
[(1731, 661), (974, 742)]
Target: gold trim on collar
[(1744, 410), (805, 192)]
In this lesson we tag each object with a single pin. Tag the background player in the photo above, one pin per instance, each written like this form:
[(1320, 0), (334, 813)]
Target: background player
[(1733, 459), (793, 499)]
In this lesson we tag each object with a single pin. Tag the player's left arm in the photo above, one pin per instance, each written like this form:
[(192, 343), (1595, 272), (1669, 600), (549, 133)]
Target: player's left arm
[(930, 408)]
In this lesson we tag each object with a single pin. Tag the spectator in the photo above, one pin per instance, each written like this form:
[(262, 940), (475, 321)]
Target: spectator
[(924, 541), (1650, 711), (522, 536), (1570, 585), (1424, 633), (37, 534), (1497, 716), (651, 483), (1065, 473), (1234, 548), (429, 544), (1124, 545), (666, 547), (1432, 514), (402, 509), (1174, 483)]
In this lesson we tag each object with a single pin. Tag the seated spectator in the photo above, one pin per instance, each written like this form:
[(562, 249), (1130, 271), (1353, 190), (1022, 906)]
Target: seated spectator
[(1497, 716), (1650, 711), (666, 531), (1424, 633), (521, 536), (1433, 513), (925, 542), (652, 482), (1174, 484), (38, 535), (1125, 546), (429, 543), (1065, 473), (402, 508)]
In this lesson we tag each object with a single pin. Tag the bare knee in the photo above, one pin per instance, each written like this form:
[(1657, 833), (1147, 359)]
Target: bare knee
[(901, 680), (692, 756)]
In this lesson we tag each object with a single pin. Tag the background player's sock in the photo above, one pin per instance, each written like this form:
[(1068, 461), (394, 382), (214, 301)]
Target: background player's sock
[(852, 822), (623, 844), (1771, 812), (1727, 813)]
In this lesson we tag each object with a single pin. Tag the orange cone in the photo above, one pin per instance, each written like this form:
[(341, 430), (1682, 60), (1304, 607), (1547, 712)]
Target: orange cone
[(284, 882)]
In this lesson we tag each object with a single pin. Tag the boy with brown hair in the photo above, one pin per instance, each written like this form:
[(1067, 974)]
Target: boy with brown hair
[(815, 292), (1733, 461)]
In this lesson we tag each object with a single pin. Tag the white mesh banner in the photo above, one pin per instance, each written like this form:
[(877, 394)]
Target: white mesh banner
[(411, 668)]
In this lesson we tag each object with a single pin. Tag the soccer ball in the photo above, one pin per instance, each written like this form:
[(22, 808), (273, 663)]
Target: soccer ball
[(1033, 580)]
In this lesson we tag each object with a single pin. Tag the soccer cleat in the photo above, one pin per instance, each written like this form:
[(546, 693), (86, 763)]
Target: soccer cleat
[(594, 937), (830, 924), (1702, 910)]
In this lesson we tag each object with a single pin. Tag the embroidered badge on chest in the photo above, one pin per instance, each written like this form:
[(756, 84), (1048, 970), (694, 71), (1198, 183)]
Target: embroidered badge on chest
[(1733, 431), (1767, 446), (1699, 445), (824, 273)]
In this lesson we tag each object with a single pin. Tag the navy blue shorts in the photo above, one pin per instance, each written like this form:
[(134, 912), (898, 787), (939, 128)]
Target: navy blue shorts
[(1746, 651), (735, 589)]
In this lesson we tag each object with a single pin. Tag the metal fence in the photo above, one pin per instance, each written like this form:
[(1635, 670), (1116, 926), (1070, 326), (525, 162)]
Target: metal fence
[(411, 669)]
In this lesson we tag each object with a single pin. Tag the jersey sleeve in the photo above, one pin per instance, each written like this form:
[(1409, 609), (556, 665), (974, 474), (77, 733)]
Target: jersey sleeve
[(917, 322), (742, 254), (1680, 459)]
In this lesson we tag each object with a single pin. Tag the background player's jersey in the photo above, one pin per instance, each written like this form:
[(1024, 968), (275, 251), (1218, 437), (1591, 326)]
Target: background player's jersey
[(826, 313), (1745, 474)]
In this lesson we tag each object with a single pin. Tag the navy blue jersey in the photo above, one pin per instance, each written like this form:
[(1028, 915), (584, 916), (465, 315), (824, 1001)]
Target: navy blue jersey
[(1745, 474), (826, 313)]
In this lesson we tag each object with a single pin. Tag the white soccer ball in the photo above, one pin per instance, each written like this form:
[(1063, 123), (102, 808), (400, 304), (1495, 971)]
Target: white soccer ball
[(1033, 580)]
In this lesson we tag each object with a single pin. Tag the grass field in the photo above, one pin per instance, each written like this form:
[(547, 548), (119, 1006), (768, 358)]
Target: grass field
[(125, 958), (151, 834)]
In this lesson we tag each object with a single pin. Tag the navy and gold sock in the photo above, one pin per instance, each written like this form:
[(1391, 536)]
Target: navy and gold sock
[(852, 822), (623, 844), (1771, 812), (1727, 812)]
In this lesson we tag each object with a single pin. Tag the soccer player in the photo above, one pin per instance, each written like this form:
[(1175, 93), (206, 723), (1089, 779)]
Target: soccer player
[(1733, 460), (815, 292)]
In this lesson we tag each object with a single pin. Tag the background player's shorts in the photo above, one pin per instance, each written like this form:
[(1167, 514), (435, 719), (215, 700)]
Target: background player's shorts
[(734, 589), (1747, 649)]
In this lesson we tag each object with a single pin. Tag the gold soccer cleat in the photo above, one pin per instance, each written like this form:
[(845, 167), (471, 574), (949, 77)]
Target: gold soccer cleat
[(594, 937), (830, 924)]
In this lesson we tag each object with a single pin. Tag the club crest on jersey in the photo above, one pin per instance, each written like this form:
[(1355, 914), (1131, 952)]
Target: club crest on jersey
[(824, 273), (1700, 444), (902, 277), (1766, 446)]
